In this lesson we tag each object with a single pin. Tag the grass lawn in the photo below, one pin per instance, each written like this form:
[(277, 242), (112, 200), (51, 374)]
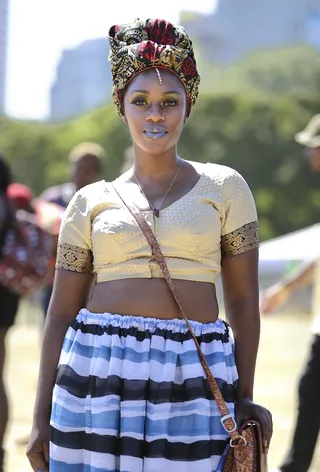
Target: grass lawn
[(283, 348)]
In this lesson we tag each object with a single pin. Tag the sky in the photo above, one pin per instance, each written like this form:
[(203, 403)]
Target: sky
[(40, 29)]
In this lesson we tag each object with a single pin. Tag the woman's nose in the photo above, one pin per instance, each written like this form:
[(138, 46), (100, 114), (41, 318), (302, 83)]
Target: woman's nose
[(155, 114)]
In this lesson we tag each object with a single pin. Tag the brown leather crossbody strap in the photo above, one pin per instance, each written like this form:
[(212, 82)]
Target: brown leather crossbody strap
[(227, 419)]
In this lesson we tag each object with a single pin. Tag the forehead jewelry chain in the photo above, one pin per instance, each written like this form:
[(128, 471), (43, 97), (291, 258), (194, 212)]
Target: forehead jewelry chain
[(156, 68), (159, 76), (156, 211)]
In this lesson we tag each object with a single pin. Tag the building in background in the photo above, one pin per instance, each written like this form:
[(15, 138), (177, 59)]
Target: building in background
[(232, 32), (4, 6), (238, 28), (83, 80)]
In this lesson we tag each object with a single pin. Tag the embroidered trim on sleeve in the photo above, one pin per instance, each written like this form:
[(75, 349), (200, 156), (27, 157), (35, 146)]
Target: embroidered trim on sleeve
[(74, 258), (241, 240)]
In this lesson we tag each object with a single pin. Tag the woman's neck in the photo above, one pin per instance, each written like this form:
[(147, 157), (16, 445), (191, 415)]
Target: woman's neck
[(155, 166)]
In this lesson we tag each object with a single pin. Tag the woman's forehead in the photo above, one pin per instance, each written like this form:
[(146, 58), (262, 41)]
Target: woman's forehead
[(148, 81)]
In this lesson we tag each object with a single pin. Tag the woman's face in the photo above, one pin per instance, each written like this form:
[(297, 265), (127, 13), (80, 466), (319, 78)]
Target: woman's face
[(155, 112)]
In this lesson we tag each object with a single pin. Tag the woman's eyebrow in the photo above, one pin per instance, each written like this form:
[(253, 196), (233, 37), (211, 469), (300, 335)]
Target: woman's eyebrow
[(164, 93), (139, 91)]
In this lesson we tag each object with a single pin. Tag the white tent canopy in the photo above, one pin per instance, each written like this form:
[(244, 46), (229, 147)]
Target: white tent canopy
[(300, 245)]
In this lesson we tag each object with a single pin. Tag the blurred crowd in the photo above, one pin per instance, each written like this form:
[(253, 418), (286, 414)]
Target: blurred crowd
[(29, 229)]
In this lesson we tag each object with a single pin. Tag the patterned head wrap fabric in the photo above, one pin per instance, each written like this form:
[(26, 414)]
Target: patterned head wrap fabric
[(146, 44)]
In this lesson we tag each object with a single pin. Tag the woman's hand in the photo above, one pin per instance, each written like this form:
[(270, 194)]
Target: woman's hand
[(246, 409), (38, 447)]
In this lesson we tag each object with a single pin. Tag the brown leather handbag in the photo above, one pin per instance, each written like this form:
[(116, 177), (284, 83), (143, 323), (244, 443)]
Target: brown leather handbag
[(245, 451)]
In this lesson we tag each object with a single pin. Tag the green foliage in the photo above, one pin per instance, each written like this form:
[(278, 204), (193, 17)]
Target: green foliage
[(38, 152), (254, 136), (295, 69)]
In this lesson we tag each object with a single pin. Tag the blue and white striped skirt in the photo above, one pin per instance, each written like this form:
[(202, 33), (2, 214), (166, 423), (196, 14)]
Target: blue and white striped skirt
[(131, 396)]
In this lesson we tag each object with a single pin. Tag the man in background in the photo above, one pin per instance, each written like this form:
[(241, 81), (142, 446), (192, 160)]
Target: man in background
[(306, 432), (86, 160)]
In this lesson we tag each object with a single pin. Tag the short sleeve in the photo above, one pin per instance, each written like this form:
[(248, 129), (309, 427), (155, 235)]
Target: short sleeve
[(74, 250), (239, 232)]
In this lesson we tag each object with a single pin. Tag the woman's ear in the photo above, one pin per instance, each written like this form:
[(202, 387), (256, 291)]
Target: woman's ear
[(124, 119)]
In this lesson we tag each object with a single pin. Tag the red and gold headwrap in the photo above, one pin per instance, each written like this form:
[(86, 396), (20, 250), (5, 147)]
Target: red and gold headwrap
[(147, 44)]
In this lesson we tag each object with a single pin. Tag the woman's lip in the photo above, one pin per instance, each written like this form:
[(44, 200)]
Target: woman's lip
[(154, 130), (155, 134)]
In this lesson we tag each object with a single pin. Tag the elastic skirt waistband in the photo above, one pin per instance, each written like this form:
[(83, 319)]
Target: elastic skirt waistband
[(149, 324)]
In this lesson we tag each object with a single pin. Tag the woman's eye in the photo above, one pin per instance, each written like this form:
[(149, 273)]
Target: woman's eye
[(140, 102), (170, 103)]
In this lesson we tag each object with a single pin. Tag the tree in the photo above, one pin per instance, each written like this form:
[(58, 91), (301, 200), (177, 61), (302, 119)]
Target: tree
[(253, 135), (281, 71)]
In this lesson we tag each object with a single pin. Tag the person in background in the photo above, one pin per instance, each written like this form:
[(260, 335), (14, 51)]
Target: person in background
[(47, 216), (44, 214), (86, 160), (300, 454), (9, 301), (21, 197)]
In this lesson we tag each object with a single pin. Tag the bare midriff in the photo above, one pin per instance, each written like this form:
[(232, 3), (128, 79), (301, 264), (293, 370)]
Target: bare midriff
[(152, 298)]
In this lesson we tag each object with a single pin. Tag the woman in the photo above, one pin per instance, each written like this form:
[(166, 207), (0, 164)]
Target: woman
[(130, 393), (9, 301)]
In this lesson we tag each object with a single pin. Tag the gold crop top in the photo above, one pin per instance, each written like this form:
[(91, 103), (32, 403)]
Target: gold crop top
[(216, 218)]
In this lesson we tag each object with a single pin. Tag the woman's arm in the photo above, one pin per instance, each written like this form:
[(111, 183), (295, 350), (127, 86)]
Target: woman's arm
[(70, 293), (241, 296)]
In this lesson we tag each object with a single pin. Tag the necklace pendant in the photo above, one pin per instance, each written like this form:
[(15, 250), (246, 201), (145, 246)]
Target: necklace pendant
[(155, 223), (156, 212)]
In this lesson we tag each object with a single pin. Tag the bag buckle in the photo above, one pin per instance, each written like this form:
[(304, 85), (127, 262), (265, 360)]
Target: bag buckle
[(233, 443), (228, 417)]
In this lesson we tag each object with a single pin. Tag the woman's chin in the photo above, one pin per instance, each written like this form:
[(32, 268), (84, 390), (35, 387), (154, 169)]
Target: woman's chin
[(159, 146)]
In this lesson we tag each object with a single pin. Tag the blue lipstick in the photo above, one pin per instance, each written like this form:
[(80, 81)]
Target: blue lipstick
[(155, 133)]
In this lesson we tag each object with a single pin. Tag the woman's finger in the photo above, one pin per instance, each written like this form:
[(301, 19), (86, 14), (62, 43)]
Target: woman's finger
[(270, 425), (45, 446), (34, 467), (269, 415), (37, 462), (266, 429)]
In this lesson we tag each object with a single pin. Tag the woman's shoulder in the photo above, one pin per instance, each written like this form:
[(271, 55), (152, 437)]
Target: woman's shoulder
[(90, 197), (217, 173), (222, 182), (94, 193)]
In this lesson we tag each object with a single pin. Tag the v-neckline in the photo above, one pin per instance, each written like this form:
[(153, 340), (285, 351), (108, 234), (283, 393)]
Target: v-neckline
[(201, 176), (180, 198)]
